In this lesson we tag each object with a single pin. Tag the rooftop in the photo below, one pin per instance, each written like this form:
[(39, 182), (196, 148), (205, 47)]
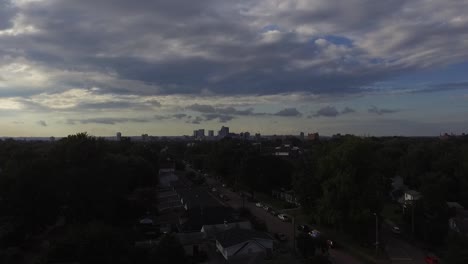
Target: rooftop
[(235, 236)]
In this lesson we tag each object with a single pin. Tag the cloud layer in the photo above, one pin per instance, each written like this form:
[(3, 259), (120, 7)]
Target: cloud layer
[(113, 62)]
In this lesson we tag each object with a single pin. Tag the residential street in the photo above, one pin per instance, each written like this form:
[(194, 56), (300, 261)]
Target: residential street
[(274, 224), (400, 251)]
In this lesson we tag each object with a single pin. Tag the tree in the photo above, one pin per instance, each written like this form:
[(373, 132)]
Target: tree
[(169, 251)]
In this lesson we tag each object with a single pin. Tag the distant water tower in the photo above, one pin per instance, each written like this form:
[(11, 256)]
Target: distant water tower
[(119, 136)]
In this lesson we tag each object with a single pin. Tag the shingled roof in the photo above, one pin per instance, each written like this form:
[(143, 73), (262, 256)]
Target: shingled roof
[(235, 236)]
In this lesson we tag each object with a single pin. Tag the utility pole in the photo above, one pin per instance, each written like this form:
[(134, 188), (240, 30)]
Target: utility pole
[(412, 217), (294, 234), (376, 233)]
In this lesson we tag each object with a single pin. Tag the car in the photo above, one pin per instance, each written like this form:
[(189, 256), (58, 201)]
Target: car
[(266, 208), (431, 259), (396, 230), (281, 236), (283, 217), (274, 213), (314, 233), (224, 197), (260, 205), (304, 228), (214, 189)]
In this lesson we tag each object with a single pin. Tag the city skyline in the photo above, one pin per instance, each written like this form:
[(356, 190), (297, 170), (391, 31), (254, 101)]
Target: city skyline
[(269, 67)]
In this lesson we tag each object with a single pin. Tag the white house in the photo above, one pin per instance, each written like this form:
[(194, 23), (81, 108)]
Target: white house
[(411, 195), (237, 242)]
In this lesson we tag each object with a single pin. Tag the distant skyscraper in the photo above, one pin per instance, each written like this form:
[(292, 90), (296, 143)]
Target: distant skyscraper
[(210, 133), (224, 132), (199, 133), (119, 136)]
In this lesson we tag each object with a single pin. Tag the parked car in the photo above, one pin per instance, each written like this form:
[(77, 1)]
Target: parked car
[(314, 233), (431, 259), (304, 228), (274, 213), (281, 236), (283, 217), (396, 230), (266, 208), (224, 197), (260, 205)]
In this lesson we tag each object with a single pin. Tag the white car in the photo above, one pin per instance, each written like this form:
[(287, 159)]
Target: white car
[(283, 217), (259, 205)]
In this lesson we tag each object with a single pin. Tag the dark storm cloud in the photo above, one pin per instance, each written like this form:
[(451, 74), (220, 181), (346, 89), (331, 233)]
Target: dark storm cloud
[(179, 116), (42, 123), (381, 111), (227, 48), (289, 112), (328, 111)]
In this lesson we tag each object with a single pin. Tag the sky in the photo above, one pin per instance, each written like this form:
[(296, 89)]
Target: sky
[(160, 67)]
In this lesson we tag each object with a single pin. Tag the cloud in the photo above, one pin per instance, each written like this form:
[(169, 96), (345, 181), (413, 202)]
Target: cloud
[(196, 120), (328, 111), (347, 110), (208, 109), (42, 123), (108, 120), (331, 111), (220, 48), (381, 111), (221, 118), (202, 108), (441, 87), (179, 116), (289, 112)]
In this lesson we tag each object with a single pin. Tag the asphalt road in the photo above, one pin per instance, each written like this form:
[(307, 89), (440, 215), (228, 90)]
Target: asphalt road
[(400, 251)]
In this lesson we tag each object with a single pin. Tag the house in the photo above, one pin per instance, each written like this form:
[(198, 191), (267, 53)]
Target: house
[(398, 189), (238, 242), (191, 242), (411, 195), (210, 231), (288, 196), (458, 222)]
